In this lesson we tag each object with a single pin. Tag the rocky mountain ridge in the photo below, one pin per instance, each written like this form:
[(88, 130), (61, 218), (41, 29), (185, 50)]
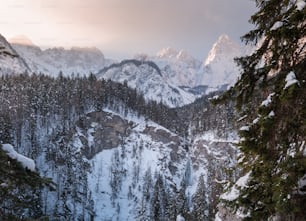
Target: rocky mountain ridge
[(183, 78)]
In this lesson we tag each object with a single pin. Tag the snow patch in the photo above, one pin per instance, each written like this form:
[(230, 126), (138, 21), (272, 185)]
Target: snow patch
[(276, 25), (300, 4), (244, 128), (180, 218), (217, 217), (234, 192), (256, 120), (268, 100), (271, 114), (290, 80), (25, 161)]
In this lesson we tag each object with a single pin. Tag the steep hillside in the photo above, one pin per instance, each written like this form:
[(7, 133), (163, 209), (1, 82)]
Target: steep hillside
[(147, 78), (101, 145), (10, 61)]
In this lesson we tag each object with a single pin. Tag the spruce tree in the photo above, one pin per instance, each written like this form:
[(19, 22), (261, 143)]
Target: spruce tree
[(271, 97), (200, 209), (19, 190)]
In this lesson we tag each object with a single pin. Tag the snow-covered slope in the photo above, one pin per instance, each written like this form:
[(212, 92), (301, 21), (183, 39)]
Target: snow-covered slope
[(115, 167), (110, 162), (178, 67), (147, 78), (219, 67), (51, 61), (10, 61)]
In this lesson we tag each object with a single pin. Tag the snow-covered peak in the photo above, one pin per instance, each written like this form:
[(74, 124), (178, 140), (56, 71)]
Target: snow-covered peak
[(167, 53), (21, 40), (223, 48), (219, 67)]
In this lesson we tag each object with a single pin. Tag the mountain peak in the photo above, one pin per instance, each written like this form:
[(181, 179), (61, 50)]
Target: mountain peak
[(223, 38), (223, 48), (21, 40), (167, 53)]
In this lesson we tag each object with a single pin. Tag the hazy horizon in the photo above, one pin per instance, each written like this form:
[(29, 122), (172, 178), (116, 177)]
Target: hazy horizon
[(121, 28)]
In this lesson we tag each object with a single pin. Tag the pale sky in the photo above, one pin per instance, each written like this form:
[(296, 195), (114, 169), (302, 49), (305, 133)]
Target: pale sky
[(123, 28)]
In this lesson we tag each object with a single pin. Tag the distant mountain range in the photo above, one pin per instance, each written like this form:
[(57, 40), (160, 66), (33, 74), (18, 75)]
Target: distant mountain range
[(172, 77)]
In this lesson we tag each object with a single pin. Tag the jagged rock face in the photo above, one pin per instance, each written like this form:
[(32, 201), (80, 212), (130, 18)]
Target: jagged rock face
[(122, 156), (10, 61), (100, 131), (210, 150), (107, 166), (219, 67)]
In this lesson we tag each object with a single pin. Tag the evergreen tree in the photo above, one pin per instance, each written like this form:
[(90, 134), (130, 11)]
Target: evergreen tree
[(270, 94), (159, 200), (19, 190), (200, 209)]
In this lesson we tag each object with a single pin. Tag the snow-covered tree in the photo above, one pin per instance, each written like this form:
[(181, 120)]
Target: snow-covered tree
[(200, 208), (270, 96)]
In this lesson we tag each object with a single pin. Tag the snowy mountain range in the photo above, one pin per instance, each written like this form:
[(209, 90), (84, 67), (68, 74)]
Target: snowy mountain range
[(177, 80), (218, 69), (76, 60)]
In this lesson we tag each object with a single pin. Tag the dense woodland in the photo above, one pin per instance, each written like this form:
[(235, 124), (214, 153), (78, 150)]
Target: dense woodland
[(37, 115), (31, 96)]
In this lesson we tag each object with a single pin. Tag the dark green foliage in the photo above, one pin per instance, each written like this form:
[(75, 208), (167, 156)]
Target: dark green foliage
[(274, 147), (19, 190)]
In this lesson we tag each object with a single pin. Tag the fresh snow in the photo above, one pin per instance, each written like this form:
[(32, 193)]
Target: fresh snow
[(256, 120), (25, 161), (217, 217), (268, 100), (271, 114), (300, 4), (277, 25), (180, 218), (244, 128), (302, 184), (234, 191), (146, 80), (290, 80)]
